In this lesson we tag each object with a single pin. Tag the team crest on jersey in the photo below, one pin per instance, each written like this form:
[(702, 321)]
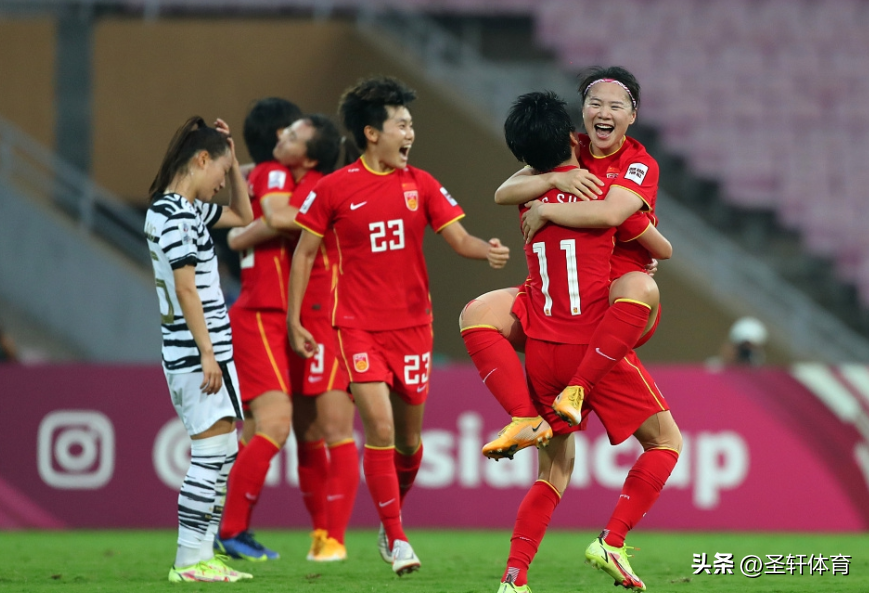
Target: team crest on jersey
[(411, 196), (277, 179), (360, 362), (637, 172), (612, 172)]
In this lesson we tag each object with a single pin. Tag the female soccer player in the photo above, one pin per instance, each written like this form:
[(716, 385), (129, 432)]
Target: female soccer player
[(258, 321), (378, 208), (197, 340), (322, 408), (490, 328)]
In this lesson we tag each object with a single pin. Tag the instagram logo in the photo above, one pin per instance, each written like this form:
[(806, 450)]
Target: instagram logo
[(76, 449), (171, 453)]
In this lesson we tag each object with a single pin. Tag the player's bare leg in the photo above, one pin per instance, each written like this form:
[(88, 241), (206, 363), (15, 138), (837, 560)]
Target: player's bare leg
[(493, 335), (662, 442), (378, 460), (555, 464)]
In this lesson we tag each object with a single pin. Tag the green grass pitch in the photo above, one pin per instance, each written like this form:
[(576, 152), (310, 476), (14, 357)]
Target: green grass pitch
[(452, 562)]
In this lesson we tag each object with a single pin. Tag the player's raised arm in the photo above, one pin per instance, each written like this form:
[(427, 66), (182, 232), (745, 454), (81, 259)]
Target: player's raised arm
[(526, 184), (610, 212)]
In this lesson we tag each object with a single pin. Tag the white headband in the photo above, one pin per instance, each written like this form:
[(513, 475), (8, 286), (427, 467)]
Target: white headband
[(613, 80)]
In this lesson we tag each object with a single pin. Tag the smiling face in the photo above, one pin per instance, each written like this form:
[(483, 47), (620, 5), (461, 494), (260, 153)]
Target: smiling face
[(292, 147), (606, 113), (209, 175), (390, 146)]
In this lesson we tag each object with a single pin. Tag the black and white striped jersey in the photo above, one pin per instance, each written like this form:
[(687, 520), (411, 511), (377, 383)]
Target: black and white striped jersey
[(177, 233)]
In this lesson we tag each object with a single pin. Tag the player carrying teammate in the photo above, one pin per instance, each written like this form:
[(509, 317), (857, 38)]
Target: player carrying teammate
[(197, 340), (322, 409), (258, 321), (567, 299), (378, 209)]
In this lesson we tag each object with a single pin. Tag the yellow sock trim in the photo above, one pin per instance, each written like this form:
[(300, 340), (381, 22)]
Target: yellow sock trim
[(339, 443), (676, 451), (641, 303), (379, 448), (554, 489), (470, 327), (269, 439)]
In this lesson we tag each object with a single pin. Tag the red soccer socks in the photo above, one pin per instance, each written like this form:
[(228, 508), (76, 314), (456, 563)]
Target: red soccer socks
[(614, 337), (642, 487), (341, 486), (532, 519), (245, 484), (500, 369)]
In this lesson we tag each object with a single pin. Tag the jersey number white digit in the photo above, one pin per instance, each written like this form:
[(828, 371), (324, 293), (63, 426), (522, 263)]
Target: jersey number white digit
[(412, 375), (169, 317), (379, 230), (317, 365), (569, 248)]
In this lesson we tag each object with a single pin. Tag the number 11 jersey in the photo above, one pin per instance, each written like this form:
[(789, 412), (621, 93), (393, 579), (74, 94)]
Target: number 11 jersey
[(568, 278), (379, 221)]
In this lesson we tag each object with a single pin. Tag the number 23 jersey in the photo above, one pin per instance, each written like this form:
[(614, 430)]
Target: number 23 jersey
[(379, 221)]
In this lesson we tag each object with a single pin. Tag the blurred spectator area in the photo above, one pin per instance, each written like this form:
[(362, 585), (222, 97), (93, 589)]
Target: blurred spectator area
[(754, 108)]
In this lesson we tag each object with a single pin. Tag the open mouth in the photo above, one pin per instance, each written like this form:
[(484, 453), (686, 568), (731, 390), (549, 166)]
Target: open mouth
[(603, 130), (404, 151)]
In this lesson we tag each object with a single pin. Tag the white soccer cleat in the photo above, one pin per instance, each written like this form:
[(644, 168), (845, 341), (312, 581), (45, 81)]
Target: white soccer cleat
[(404, 560)]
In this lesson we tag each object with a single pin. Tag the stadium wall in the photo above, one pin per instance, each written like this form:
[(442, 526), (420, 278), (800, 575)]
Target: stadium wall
[(774, 449)]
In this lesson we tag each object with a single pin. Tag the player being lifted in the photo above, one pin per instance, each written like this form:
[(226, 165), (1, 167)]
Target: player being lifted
[(378, 209), (566, 302), (197, 339), (322, 409), (490, 323), (258, 321)]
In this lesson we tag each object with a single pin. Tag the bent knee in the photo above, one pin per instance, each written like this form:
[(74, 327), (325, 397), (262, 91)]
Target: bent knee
[(636, 286)]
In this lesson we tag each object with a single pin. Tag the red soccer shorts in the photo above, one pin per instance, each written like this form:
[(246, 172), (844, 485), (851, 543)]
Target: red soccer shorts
[(400, 357), (625, 398), (261, 351), (323, 372)]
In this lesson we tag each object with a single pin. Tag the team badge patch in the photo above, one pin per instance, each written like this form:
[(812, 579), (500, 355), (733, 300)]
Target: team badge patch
[(360, 362), (277, 179), (612, 172), (307, 203), (637, 172), (449, 198), (411, 196)]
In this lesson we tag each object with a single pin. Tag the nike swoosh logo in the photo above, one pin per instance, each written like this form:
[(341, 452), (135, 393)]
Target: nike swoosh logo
[(536, 428), (250, 497), (359, 205), (490, 374), (314, 379), (387, 503), (604, 355), (332, 497), (419, 389)]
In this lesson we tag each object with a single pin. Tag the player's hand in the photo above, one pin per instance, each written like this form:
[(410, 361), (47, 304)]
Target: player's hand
[(498, 254), (532, 220), (301, 341), (579, 182), (222, 127), (652, 267), (212, 376)]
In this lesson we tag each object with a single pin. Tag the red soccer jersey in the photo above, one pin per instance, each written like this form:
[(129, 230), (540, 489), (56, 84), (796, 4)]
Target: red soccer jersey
[(378, 220), (633, 169), (318, 295), (265, 267), (569, 278)]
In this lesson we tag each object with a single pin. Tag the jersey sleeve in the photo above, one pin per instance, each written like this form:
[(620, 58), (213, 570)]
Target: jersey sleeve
[(210, 213), (178, 239), (640, 177), (636, 224), (441, 208), (274, 180), (315, 212)]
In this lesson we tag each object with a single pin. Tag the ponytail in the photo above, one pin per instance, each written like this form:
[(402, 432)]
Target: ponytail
[(191, 138)]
